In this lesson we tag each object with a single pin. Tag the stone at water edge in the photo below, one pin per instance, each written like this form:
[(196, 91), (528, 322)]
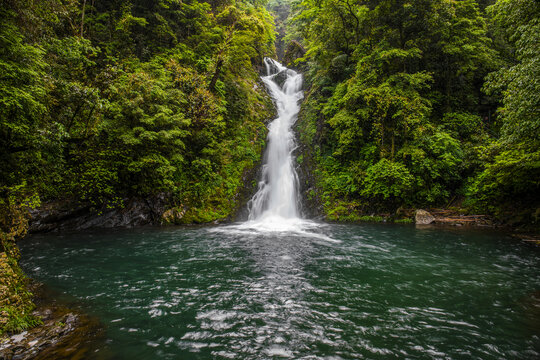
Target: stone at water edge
[(423, 217), (281, 77)]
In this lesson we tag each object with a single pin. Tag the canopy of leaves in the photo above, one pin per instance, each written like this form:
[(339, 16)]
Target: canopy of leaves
[(401, 106), (510, 184), (105, 100)]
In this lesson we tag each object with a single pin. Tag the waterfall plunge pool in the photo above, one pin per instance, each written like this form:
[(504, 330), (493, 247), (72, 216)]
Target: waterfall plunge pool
[(325, 292)]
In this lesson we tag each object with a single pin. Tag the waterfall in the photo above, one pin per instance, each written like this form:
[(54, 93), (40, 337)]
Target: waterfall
[(276, 196)]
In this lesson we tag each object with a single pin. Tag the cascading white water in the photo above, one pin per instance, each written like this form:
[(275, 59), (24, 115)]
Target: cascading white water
[(274, 208), (276, 197)]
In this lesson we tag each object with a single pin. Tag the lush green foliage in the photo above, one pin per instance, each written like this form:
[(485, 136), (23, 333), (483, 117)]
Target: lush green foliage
[(510, 183), (16, 304), (398, 107), (103, 101)]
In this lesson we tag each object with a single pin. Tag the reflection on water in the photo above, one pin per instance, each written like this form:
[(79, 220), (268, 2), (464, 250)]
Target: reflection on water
[(302, 291)]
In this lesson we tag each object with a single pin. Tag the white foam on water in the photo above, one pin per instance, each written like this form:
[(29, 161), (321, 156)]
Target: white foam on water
[(272, 225)]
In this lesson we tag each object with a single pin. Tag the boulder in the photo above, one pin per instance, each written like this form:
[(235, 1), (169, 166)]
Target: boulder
[(62, 336), (423, 217), (281, 77)]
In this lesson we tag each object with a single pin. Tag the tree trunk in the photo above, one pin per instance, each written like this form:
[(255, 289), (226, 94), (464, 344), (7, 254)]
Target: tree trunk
[(215, 77), (82, 17)]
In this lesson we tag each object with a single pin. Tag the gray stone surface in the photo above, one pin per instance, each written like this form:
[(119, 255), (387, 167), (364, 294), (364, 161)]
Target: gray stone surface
[(70, 216), (423, 217)]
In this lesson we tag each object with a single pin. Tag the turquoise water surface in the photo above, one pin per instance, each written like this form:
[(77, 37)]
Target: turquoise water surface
[(337, 292)]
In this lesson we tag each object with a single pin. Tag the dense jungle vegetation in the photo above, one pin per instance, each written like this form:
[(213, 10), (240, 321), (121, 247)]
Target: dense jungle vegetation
[(103, 100), (422, 103), (408, 104)]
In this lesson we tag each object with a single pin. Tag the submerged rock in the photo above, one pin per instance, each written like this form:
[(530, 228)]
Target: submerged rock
[(423, 217)]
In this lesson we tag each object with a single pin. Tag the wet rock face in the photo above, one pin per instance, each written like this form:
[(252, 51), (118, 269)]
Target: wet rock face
[(309, 192), (281, 77), (70, 216), (423, 217)]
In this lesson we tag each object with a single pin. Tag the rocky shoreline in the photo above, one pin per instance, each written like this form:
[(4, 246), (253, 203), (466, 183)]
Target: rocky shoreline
[(66, 333), (66, 215), (450, 217)]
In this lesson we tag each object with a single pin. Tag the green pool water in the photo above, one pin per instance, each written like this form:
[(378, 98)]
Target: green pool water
[(331, 292)]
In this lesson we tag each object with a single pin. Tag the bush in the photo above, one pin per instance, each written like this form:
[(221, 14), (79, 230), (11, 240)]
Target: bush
[(388, 181)]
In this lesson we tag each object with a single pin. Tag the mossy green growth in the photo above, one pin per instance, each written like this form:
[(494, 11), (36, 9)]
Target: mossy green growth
[(202, 216), (311, 194), (341, 211), (16, 304), (371, 218), (349, 211), (404, 221)]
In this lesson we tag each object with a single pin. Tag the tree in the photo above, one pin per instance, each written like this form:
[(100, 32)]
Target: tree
[(22, 102), (511, 176), (395, 84)]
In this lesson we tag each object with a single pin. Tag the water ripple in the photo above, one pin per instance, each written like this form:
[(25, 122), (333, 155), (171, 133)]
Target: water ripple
[(239, 292)]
